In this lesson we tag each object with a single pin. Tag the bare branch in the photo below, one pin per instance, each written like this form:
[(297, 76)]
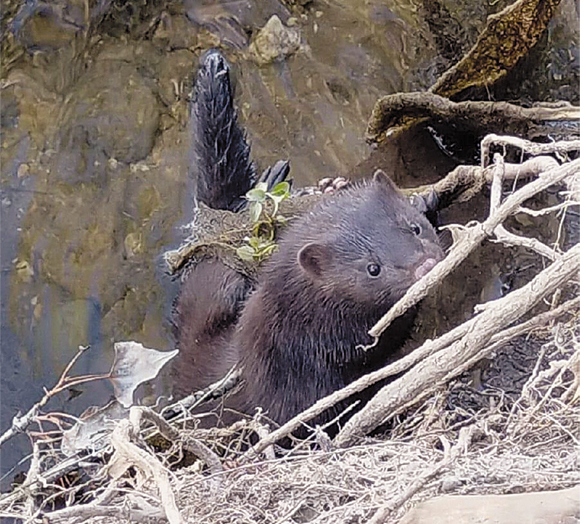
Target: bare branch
[(170, 433), (451, 361), (472, 238), (131, 454), (20, 423)]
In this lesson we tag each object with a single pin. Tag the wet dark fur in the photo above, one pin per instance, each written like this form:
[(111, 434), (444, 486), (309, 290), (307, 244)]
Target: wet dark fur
[(222, 166), (212, 295), (296, 334), (206, 312)]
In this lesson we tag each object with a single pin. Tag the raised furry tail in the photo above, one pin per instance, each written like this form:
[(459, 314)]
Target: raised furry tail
[(222, 166)]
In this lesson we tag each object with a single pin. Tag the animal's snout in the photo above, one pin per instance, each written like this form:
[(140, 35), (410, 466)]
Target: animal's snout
[(425, 267)]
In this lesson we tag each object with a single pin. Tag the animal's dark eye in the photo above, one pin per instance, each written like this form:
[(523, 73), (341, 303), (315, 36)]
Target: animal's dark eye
[(373, 270), (416, 228)]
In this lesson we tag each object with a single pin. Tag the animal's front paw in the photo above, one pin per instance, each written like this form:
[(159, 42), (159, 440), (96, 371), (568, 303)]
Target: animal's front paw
[(329, 185)]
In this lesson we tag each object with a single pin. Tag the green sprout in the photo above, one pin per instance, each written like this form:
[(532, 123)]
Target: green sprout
[(262, 241)]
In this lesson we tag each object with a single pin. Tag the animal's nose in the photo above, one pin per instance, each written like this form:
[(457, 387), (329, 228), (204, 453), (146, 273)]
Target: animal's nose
[(424, 268)]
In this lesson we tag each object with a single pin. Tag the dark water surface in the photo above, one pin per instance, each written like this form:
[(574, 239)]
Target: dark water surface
[(95, 154)]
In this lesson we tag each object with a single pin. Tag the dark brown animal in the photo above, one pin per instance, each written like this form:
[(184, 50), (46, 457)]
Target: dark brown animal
[(338, 269)]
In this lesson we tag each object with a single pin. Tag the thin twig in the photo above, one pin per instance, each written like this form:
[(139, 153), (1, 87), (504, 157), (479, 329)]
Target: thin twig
[(170, 433), (20, 423), (502, 235), (417, 485)]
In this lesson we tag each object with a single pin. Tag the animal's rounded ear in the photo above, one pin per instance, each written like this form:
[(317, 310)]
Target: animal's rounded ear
[(314, 258), (381, 178)]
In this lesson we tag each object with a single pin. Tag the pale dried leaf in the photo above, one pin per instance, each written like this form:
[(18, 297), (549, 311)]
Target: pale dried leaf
[(93, 430), (133, 365)]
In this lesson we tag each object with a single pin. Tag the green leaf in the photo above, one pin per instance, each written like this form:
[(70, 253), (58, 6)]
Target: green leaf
[(276, 198), (281, 190), (275, 204), (254, 243), (246, 253), (255, 211), (256, 195), (263, 186), (267, 250)]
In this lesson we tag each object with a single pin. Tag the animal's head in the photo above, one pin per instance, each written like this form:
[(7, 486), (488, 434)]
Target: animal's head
[(373, 245)]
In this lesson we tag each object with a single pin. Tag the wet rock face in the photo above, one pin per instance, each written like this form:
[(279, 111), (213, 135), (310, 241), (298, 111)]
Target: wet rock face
[(231, 22), (274, 42), (112, 114), (105, 168)]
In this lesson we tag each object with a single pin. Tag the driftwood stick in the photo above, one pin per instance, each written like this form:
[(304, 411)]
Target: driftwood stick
[(84, 512), (215, 390), (438, 368), (131, 454), (500, 339), (33, 475), (526, 146), (530, 507), (504, 236), (87, 511), (547, 210), (461, 184), (508, 36), (402, 109)]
